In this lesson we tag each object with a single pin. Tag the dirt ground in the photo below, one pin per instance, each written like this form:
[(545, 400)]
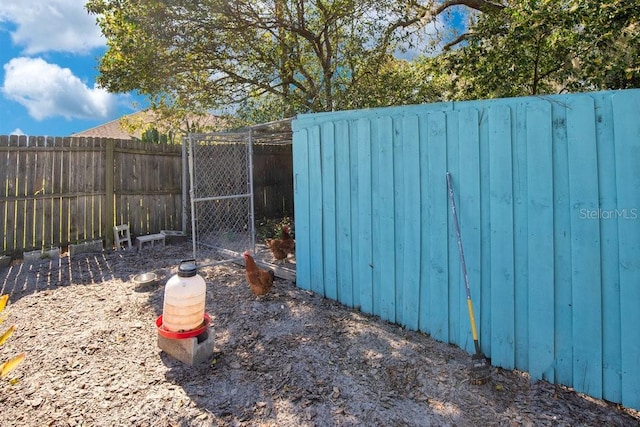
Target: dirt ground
[(290, 358)]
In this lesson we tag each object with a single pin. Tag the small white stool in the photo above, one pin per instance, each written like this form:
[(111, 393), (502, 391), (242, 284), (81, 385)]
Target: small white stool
[(121, 235)]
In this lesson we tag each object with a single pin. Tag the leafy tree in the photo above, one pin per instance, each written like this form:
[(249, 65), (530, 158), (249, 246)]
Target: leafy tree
[(397, 82), (153, 136), (545, 46), (262, 61), (271, 59)]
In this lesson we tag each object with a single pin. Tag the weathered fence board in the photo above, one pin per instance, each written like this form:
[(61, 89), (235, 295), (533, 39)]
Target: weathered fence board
[(627, 155), (54, 190), (273, 180), (540, 250), (548, 200)]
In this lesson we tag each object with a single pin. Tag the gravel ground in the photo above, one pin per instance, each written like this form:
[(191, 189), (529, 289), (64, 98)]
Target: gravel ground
[(290, 358)]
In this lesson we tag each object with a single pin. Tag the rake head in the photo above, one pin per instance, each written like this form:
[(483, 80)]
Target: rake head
[(480, 369)]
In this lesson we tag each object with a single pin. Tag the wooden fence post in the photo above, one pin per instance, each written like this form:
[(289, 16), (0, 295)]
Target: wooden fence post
[(108, 217)]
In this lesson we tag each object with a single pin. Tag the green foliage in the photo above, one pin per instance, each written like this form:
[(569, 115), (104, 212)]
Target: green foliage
[(271, 228), (262, 109), (398, 82), (543, 46), (273, 59), (153, 136), (270, 60)]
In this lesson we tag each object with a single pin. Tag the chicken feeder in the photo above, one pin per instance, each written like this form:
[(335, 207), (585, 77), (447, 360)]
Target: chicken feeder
[(184, 327)]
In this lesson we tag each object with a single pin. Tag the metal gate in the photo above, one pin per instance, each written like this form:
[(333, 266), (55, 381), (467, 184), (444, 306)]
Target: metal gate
[(221, 181)]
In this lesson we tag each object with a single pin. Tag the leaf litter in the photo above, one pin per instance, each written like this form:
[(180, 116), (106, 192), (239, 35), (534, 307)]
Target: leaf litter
[(289, 358)]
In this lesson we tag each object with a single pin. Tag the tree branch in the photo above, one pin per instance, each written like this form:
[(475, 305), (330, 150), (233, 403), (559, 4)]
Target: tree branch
[(479, 5), (454, 42), (429, 13)]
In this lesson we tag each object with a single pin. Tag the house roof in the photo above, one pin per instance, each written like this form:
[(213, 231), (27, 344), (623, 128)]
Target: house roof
[(112, 129), (119, 129)]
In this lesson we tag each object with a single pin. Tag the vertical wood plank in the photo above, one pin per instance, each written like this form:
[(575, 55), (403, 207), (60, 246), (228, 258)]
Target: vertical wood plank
[(364, 271), (384, 226), (424, 297), (56, 193), (611, 337), (131, 184), (92, 226), (343, 214), (328, 162), (65, 215), (437, 218), (39, 189), (540, 254), (148, 183), (109, 182), (99, 194), (469, 213), (399, 195), (316, 230), (520, 232), (74, 164), (47, 187), (457, 293), (562, 249), (486, 291), (502, 253), (24, 233), (51, 232), (585, 246), (33, 232), (13, 160), (86, 187), (121, 207), (410, 261), (354, 208), (626, 131), (5, 159)]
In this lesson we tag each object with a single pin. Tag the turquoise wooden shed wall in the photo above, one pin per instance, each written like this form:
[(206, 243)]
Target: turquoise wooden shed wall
[(548, 198)]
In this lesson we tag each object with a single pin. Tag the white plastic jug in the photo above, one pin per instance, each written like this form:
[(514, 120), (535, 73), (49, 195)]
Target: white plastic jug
[(184, 299)]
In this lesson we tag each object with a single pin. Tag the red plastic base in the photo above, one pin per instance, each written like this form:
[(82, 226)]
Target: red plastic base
[(185, 334)]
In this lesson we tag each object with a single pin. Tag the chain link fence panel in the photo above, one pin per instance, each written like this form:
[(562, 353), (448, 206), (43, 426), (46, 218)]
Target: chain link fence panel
[(220, 173)]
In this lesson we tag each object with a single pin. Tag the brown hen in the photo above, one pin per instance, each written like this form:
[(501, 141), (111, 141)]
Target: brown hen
[(281, 248), (260, 280)]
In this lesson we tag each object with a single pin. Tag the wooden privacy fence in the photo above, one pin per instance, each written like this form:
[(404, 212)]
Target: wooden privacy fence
[(272, 180), (54, 190), (57, 191), (548, 197)]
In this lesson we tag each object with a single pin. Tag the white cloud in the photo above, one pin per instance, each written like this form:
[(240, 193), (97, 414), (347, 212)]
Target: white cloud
[(17, 131), (51, 26), (47, 90)]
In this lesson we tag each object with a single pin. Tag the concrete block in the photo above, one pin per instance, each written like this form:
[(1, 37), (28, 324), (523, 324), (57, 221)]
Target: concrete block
[(44, 254), (174, 237), (5, 261), (85, 247), (192, 351), (150, 238)]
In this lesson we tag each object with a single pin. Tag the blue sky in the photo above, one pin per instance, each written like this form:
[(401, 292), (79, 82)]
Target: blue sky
[(49, 53)]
